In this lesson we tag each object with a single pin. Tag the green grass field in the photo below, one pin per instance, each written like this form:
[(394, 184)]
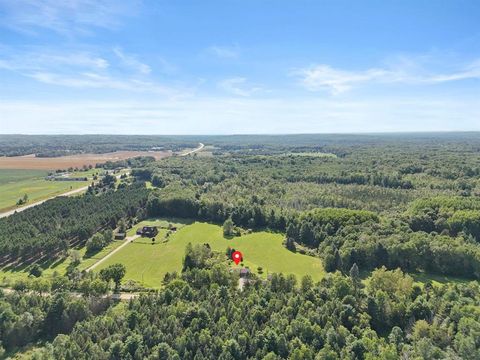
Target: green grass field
[(14, 184), (147, 263), (437, 280), (10, 275)]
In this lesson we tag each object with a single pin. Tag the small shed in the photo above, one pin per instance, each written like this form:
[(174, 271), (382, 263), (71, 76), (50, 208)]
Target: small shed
[(120, 236)]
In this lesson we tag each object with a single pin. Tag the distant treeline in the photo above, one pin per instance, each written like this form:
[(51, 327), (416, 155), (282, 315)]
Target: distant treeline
[(339, 144), (60, 145)]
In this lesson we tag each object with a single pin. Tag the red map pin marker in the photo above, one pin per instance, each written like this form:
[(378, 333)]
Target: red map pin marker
[(237, 257)]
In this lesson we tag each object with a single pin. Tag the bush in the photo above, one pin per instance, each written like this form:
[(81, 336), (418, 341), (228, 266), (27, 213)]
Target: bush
[(36, 270)]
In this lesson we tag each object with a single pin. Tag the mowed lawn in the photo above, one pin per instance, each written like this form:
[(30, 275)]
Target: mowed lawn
[(148, 264), (14, 184)]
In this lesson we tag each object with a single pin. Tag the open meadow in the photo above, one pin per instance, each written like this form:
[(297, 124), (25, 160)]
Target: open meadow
[(148, 264), (15, 183)]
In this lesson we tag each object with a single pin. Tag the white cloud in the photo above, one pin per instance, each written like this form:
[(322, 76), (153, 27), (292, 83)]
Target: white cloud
[(324, 77), (81, 69), (238, 86), (336, 81), (132, 62), (165, 66), (98, 81), (37, 60), (64, 16), (225, 52)]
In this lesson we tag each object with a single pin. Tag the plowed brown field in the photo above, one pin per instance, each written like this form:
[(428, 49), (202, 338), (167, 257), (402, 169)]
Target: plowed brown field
[(64, 162)]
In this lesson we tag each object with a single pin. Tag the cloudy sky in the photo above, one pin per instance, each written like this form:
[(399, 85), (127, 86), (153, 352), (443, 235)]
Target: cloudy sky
[(238, 66)]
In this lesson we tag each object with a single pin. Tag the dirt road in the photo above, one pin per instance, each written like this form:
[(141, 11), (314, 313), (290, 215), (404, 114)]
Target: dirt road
[(127, 240)]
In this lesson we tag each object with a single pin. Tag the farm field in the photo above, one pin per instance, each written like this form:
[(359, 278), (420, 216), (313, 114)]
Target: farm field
[(15, 183), (79, 160), (148, 264)]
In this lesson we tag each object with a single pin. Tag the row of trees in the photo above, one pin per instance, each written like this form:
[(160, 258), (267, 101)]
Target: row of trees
[(46, 229)]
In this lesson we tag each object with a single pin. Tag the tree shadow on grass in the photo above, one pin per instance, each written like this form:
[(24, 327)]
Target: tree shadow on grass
[(53, 264), (44, 264)]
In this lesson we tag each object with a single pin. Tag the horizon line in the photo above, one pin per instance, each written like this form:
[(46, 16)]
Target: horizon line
[(255, 134)]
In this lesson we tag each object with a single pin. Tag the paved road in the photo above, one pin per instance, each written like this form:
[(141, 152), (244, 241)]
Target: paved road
[(127, 241), (200, 147)]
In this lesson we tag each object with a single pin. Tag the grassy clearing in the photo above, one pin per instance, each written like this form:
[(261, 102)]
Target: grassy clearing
[(14, 184), (148, 264), (421, 278), (10, 275), (161, 223), (437, 280)]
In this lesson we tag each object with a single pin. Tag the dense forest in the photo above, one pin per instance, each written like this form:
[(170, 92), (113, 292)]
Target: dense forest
[(379, 210), (201, 315), (398, 205)]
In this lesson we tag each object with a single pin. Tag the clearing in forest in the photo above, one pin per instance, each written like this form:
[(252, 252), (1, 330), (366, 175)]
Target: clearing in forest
[(148, 264)]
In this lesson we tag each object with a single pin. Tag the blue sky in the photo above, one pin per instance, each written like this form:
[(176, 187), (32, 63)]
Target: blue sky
[(238, 66)]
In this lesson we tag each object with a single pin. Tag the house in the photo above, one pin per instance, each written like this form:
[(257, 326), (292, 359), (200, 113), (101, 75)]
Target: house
[(120, 236), (148, 231), (244, 273)]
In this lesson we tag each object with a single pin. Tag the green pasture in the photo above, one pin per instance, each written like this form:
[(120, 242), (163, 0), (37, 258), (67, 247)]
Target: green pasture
[(14, 184), (148, 263)]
